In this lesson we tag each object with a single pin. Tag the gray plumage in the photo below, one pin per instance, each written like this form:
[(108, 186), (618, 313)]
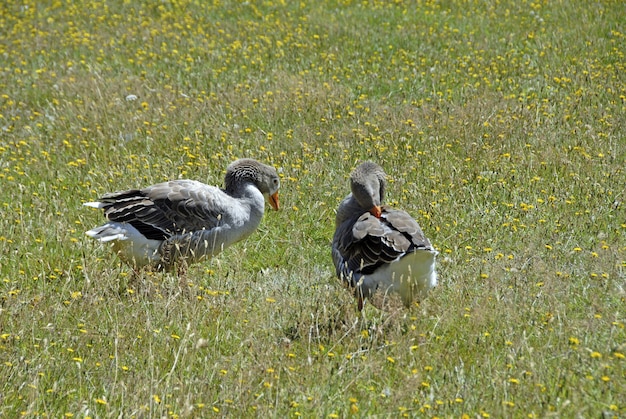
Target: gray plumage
[(377, 248), (186, 220)]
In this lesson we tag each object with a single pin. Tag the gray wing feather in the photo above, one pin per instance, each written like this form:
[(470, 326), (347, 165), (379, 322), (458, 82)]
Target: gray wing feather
[(362, 245), (165, 209)]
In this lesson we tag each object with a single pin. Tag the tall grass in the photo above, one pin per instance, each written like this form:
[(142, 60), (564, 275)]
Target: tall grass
[(500, 123)]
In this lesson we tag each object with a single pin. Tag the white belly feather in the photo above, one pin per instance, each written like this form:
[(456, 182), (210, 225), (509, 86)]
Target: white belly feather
[(130, 245), (411, 276)]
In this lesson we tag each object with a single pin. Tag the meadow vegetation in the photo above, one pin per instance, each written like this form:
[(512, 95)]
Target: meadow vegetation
[(501, 124)]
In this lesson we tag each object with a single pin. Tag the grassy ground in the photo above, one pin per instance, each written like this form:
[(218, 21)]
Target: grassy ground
[(500, 123)]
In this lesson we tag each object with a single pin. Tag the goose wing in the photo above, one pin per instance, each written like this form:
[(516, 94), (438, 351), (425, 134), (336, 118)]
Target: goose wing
[(166, 209), (364, 244)]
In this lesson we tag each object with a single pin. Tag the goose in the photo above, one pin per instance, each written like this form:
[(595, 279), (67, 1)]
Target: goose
[(184, 221), (379, 252)]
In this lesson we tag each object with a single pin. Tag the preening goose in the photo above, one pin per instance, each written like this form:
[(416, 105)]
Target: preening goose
[(185, 221), (380, 252)]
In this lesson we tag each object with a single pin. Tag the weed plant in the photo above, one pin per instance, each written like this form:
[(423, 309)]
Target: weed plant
[(502, 127)]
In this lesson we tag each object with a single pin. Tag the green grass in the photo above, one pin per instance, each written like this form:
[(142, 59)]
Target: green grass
[(500, 123)]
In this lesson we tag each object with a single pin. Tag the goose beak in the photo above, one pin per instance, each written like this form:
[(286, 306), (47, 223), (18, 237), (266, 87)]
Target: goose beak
[(274, 201), (376, 211)]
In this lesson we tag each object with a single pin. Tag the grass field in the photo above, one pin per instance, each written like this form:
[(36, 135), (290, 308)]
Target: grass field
[(500, 123)]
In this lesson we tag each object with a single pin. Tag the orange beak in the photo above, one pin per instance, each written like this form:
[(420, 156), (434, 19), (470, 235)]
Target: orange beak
[(274, 201), (376, 211)]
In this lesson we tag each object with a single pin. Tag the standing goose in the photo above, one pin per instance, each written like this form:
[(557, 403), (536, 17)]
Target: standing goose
[(184, 221), (380, 252)]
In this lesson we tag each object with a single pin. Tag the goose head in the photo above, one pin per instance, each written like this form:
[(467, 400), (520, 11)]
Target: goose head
[(367, 183), (264, 177)]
